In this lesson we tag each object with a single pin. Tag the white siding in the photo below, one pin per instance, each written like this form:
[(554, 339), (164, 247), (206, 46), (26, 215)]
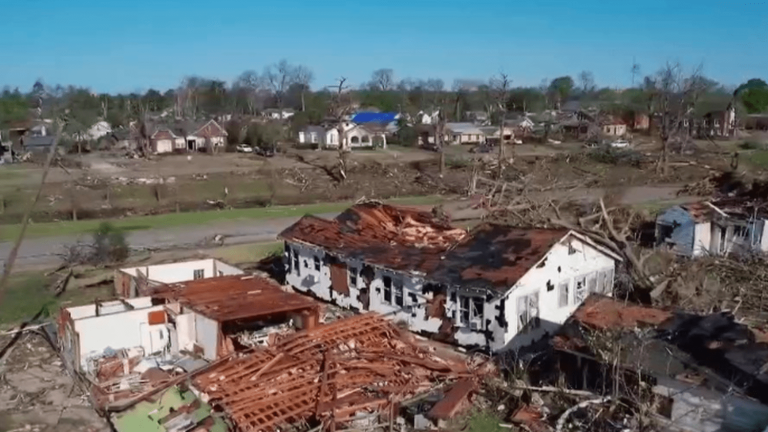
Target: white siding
[(702, 238), (184, 271), (108, 307), (207, 335), (557, 266), (164, 146), (121, 330)]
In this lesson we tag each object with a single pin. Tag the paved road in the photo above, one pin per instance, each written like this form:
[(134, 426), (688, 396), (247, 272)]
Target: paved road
[(40, 252)]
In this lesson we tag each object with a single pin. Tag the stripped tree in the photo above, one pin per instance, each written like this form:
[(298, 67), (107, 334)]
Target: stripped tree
[(500, 89), (674, 94), (339, 108)]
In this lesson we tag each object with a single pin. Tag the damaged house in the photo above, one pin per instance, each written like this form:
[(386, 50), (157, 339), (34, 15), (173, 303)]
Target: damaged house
[(716, 228), (136, 281), (495, 287), (692, 373), (130, 348)]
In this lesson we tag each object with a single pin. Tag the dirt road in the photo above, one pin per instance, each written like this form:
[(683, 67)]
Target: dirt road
[(42, 252)]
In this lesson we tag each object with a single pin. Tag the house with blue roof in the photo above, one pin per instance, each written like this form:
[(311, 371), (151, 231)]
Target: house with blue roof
[(375, 117)]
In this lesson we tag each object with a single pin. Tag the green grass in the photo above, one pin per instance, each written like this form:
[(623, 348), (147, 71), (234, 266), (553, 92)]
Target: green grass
[(10, 232), (28, 292), (758, 159), (484, 421), (247, 253)]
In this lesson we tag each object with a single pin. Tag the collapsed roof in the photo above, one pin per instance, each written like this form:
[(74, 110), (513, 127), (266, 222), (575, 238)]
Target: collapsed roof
[(398, 238), (712, 349), (491, 256), (495, 256), (330, 374), (228, 298)]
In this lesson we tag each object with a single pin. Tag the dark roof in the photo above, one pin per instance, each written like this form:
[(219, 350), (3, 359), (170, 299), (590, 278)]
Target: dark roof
[(495, 256), (39, 141), (315, 129), (398, 238), (227, 298), (374, 117), (707, 350)]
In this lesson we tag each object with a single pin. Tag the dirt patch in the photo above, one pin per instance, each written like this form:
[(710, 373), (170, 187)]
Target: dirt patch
[(127, 187), (37, 394)]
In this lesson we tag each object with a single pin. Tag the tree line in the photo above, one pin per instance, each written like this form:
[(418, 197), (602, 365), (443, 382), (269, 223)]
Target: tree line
[(285, 85)]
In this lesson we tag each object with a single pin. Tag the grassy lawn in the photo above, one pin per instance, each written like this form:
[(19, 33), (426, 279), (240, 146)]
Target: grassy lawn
[(246, 253), (10, 232), (757, 158), (28, 292)]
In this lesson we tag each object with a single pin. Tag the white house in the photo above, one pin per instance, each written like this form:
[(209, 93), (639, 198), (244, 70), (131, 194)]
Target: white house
[(495, 287), (98, 130), (278, 114), (463, 133), (716, 228), (130, 281), (366, 136), (427, 117), (319, 135)]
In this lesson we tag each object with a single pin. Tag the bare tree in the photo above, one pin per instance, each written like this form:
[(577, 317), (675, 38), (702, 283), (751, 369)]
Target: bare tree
[(251, 84), (674, 95), (587, 81), (279, 78), (339, 107), (500, 88), (303, 76), (383, 79)]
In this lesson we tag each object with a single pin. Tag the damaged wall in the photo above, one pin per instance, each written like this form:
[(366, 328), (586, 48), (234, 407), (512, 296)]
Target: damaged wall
[(399, 296), (561, 280), (128, 329), (206, 335), (699, 409), (180, 271)]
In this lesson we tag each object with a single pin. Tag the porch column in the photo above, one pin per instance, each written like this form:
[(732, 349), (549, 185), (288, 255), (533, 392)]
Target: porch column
[(384, 140)]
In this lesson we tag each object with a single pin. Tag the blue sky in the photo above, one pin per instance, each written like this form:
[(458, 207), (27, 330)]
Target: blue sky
[(123, 46)]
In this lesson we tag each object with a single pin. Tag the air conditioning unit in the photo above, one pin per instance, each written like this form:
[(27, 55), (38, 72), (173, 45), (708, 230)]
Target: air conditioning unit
[(475, 325)]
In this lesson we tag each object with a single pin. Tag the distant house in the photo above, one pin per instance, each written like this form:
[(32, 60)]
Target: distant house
[(712, 228), (37, 144), (427, 117), (368, 135), (479, 117), (278, 114), (492, 134), (613, 127), (375, 117), (189, 135), (718, 123), (205, 134), (463, 133), (522, 126), (165, 140), (756, 122), (322, 136), (98, 130)]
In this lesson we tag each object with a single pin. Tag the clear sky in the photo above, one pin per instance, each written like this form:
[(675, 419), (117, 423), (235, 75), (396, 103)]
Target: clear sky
[(118, 45)]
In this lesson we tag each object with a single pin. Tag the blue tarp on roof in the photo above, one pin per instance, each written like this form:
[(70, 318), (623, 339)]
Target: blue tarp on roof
[(374, 117)]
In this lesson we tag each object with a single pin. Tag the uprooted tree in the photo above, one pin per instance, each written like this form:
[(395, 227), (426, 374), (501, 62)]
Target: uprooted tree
[(108, 246)]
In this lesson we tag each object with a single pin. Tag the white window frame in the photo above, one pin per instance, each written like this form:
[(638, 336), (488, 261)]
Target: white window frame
[(528, 307), (579, 294), (198, 274), (398, 292)]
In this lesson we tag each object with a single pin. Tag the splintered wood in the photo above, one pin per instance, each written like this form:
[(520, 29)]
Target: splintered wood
[(327, 375)]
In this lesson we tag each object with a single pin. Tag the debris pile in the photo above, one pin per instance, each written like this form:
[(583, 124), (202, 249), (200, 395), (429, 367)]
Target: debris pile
[(328, 375)]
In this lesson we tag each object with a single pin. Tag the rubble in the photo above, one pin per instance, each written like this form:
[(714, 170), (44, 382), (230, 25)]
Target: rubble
[(331, 374)]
